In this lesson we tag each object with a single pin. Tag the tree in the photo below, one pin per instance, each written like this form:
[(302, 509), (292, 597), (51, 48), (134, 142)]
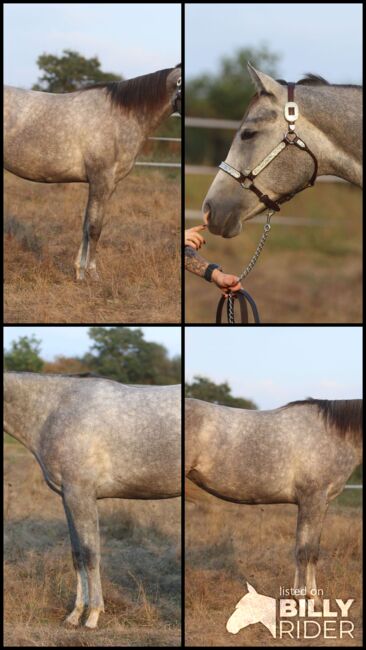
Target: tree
[(205, 389), (70, 72), (122, 353), (225, 94), (24, 355), (66, 365)]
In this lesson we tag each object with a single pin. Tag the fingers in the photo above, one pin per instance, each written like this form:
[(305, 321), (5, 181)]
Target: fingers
[(228, 283), (192, 238)]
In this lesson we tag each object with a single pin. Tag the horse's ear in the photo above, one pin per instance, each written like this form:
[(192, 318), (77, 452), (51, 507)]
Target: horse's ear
[(263, 82), (251, 589)]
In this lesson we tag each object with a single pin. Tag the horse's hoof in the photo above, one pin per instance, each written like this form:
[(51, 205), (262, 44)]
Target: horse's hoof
[(94, 275), (72, 620), (80, 275)]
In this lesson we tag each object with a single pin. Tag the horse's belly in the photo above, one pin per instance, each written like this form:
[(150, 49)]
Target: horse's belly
[(37, 162), (243, 489)]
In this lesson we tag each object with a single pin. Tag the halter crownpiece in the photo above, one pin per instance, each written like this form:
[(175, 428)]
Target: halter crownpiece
[(178, 96), (247, 177)]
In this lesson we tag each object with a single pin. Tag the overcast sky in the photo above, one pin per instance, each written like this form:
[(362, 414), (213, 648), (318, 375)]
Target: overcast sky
[(74, 341), (325, 39), (274, 365), (128, 39)]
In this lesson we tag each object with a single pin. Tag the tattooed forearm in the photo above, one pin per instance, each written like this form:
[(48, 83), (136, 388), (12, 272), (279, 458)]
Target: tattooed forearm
[(193, 262)]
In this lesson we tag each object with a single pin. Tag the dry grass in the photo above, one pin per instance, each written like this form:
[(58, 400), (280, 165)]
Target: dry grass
[(138, 254), (141, 573), (306, 274), (228, 545)]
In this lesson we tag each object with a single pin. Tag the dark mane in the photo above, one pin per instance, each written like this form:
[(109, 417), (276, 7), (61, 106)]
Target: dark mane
[(146, 92), (345, 415), (311, 79)]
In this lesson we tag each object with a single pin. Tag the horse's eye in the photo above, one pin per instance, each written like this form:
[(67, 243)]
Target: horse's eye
[(246, 135)]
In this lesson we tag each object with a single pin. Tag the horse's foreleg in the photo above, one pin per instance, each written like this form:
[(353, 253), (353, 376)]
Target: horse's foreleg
[(99, 192), (82, 516), (312, 509)]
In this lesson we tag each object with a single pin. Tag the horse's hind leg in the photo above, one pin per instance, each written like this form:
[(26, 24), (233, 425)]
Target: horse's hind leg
[(82, 517), (312, 509), (100, 190)]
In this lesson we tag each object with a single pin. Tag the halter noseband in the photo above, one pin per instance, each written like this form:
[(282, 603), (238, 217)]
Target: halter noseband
[(247, 177)]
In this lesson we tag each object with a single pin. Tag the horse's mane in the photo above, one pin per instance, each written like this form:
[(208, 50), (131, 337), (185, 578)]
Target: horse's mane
[(147, 92), (343, 415), (311, 79)]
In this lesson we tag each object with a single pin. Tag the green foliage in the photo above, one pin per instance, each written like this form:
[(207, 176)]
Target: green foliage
[(225, 95), (205, 389), (24, 355), (70, 72), (122, 354)]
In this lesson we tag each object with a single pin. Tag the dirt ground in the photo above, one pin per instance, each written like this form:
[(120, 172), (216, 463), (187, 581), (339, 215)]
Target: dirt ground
[(229, 544), (138, 254), (141, 566)]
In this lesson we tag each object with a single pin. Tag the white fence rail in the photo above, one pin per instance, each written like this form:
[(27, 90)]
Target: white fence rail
[(191, 215), (162, 164)]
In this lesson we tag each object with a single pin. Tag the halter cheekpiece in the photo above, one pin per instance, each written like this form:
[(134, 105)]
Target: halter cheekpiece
[(247, 177)]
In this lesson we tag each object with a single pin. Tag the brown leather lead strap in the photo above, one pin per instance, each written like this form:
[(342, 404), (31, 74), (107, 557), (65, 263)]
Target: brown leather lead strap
[(243, 298)]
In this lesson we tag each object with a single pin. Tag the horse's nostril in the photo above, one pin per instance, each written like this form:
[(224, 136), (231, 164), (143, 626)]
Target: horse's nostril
[(206, 212)]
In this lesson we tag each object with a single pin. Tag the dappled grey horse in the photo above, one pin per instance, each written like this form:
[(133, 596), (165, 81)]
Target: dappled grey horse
[(89, 136), (302, 453), (290, 134), (94, 439)]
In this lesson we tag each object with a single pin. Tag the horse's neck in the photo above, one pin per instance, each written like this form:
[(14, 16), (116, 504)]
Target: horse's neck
[(152, 120), (28, 401), (335, 115)]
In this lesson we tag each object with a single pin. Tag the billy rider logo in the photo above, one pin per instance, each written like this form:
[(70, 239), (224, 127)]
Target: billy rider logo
[(332, 622)]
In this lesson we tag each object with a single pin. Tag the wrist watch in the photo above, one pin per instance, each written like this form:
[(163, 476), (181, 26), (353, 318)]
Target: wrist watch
[(209, 270)]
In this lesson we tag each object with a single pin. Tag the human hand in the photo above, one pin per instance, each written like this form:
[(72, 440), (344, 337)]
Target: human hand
[(193, 238)]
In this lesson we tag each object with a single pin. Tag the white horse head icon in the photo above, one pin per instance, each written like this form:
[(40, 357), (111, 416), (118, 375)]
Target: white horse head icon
[(253, 608)]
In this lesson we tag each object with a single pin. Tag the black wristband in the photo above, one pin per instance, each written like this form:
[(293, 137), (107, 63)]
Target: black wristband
[(208, 272)]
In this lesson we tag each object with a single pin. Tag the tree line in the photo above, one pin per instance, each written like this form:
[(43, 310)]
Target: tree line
[(225, 94), (118, 353)]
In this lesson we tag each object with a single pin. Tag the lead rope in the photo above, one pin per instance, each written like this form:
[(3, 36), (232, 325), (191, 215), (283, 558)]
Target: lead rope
[(249, 268)]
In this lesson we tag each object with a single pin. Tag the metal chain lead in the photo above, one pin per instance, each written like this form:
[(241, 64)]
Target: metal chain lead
[(230, 306), (262, 241), (249, 268)]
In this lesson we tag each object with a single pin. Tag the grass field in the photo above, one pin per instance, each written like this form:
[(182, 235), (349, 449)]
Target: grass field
[(141, 567), (138, 254), (306, 274), (228, 545)]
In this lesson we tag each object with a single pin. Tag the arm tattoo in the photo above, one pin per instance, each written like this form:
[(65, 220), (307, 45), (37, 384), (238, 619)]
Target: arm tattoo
[(193, 262)]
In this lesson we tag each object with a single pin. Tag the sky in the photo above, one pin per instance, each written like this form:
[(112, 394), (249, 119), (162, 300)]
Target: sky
[(129, 39), (74, 341), (325, 39), (274, 365)]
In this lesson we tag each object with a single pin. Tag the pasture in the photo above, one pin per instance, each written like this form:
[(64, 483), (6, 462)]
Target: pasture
[(138, 255), (305, 274), (228, 544), (141, 569)]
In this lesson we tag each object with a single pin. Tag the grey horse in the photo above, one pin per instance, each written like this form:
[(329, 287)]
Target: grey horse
[(94, 439), (329, 124), (90, 136), (301, 453)]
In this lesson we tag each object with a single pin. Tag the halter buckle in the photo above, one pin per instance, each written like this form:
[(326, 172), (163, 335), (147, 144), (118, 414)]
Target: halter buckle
[(291, 111)]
